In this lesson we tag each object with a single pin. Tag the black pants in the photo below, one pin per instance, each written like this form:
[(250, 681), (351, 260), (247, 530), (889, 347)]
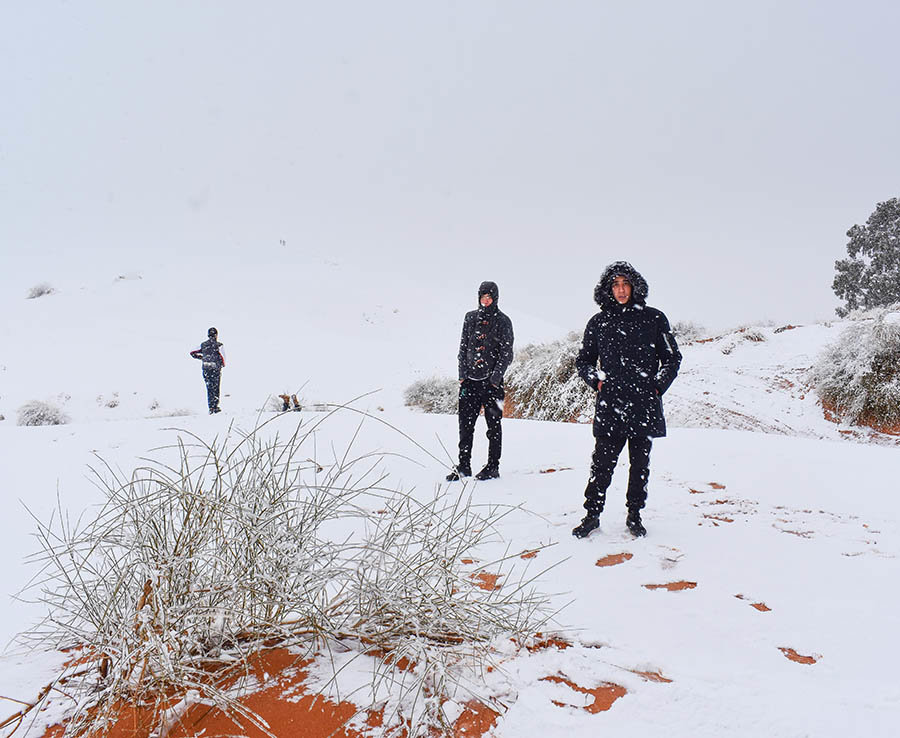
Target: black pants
[(212, 375), (474, 395), (603, 463)]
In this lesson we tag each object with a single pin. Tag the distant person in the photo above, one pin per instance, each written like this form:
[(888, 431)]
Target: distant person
[(485, 352), (639, 359), (210, 353)]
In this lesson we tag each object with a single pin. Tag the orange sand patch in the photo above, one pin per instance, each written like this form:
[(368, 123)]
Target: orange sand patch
[(529, 554), (761, 606), (614, 559), (868, 421), (651, 676), (720, 518), (672, 586), (468, 562), (604, 695), (794, 656), (300, 714), (542, 643), (486, 581), (696, 491), (476, 720), (716, 485)]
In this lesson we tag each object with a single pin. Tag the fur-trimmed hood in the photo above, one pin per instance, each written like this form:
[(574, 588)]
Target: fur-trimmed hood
[(489, 288), (603, 291)]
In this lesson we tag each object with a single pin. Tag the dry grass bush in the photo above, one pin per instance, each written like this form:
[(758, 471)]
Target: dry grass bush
[(37, 412), (858, 377), (542, 383), (39, 290), (687, 331), (192, 564), (434, 395)]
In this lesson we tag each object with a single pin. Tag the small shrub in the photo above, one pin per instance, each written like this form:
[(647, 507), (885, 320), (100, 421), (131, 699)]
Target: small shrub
[(542, 382), (858, 377), (41, 413), (39, 290), (688, 332), (191, 566), (434, 395)]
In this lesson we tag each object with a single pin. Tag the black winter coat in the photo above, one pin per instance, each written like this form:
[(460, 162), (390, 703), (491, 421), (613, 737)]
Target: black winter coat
[(638, 357), (486, 344), (210, 353)]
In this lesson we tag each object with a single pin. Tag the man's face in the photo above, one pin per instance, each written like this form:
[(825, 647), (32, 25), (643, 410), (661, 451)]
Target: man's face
[(486, 300), (621, 289)]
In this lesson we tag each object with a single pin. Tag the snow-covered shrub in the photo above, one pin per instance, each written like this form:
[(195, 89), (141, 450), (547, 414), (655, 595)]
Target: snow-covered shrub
[(37, 412), (742, 335), (688, 332), (434, 395), (858, 377), (194, 563), (39, 290), (542, 382)]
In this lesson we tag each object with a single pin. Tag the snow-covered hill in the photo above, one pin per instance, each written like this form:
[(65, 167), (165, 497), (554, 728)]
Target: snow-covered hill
[(773, 535)]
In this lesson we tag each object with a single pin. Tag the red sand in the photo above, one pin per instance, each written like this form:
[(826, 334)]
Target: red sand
[(604, 695), (794, 656), (672, 586), (306, 715), (614, 559)]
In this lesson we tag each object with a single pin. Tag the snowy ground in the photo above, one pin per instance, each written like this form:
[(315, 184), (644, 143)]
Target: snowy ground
[(787, 539)]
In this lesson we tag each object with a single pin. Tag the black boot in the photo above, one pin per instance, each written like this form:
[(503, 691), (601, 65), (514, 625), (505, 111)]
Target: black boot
[(460, 470), (634, 524), (584, 528), (490, 471)]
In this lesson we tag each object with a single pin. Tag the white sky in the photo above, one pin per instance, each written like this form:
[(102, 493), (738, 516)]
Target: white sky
[(723, 148)]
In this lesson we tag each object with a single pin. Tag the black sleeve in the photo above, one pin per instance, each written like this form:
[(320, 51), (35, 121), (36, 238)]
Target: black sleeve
[(504, 353), (463, 346), (586, 361), (668, 354)]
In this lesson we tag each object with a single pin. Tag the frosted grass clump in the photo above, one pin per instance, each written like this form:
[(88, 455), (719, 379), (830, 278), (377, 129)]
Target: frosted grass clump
[(858, 377), (543, 383), (687, 331), (212, 551), (434, 395), (39, 290), (37, 412)]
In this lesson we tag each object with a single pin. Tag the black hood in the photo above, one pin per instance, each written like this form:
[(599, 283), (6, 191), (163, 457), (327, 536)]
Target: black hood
[(489, 288), (603, 291)]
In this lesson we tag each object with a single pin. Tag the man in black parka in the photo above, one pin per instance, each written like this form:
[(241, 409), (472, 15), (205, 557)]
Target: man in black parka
[(210, 353), (639, 359), (485, 352)]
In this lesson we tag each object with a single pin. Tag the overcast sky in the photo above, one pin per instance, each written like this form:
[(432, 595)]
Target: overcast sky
[(723, 148)]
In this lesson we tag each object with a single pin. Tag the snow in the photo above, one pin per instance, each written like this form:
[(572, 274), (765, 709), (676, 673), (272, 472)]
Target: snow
[(814, 523)]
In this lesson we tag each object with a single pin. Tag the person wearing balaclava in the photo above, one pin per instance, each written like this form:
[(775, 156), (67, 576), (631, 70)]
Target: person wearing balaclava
[(485, 353), (638, 360), (210, 353)]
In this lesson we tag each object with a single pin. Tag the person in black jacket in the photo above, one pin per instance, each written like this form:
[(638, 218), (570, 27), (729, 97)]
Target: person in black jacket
[(210, 353), (485, 352), (639, 359)]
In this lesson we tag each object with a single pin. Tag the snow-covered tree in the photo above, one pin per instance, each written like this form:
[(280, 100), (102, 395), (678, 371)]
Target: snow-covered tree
[(870, 277)]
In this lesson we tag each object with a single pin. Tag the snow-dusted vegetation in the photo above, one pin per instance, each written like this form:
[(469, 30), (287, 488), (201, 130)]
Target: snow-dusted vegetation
[(211, 550), (858, 377), (38, 412), (433, 395), (39, 290), (542, 382), (687, 331)]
